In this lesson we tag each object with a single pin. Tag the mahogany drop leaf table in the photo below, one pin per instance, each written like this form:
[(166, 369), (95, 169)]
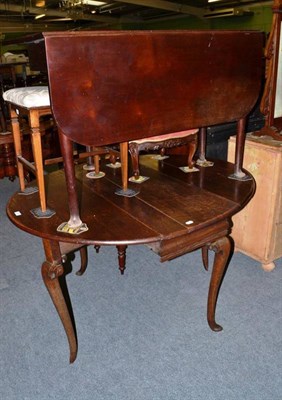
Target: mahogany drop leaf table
[(174, 213)]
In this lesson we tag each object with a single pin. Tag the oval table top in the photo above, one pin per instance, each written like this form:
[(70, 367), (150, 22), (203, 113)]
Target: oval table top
[(171, 204)]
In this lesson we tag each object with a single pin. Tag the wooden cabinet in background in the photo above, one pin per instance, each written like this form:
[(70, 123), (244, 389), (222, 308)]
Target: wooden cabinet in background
[(257, 229), (7, 157)]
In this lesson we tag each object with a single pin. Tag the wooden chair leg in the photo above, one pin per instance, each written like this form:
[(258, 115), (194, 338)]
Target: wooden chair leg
[(192, 147), (125, 190), (134, 153), (124, 164), (113, 159), (96, 164)]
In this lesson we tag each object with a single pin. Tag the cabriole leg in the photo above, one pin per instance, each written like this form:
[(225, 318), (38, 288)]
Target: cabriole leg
[(51, 270), (222, 249)]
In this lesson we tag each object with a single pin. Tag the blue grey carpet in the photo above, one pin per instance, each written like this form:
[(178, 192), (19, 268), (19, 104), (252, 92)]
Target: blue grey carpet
[(141, 336)]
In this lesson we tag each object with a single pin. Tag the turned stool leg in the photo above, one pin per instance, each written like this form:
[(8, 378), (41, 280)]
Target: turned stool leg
[(38, 158), (18, 146), (34, 124)]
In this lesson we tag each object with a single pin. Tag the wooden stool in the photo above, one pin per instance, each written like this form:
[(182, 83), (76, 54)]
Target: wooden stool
[(162, 142), (35, 103)]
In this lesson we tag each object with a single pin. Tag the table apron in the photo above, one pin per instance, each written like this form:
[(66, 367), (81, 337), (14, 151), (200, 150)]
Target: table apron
[(168, 249)]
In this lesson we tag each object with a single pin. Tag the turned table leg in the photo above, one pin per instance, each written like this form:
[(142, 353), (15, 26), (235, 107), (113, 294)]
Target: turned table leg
[(7, 161), (121, 257), (222, 249)]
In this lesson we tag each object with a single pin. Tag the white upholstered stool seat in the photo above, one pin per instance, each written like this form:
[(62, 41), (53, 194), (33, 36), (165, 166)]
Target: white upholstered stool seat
[(34, 102), (28, 97), (161, 142)]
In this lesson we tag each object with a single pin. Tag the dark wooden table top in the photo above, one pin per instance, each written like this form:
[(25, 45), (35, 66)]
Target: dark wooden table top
[(170, 204), (136, 84), (127, 85)]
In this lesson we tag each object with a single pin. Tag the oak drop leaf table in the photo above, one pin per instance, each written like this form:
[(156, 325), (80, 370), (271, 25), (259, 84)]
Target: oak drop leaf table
[(174, 213)]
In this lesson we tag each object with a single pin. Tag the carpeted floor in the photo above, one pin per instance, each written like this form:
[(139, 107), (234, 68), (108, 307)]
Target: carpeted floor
[(141, 336)]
